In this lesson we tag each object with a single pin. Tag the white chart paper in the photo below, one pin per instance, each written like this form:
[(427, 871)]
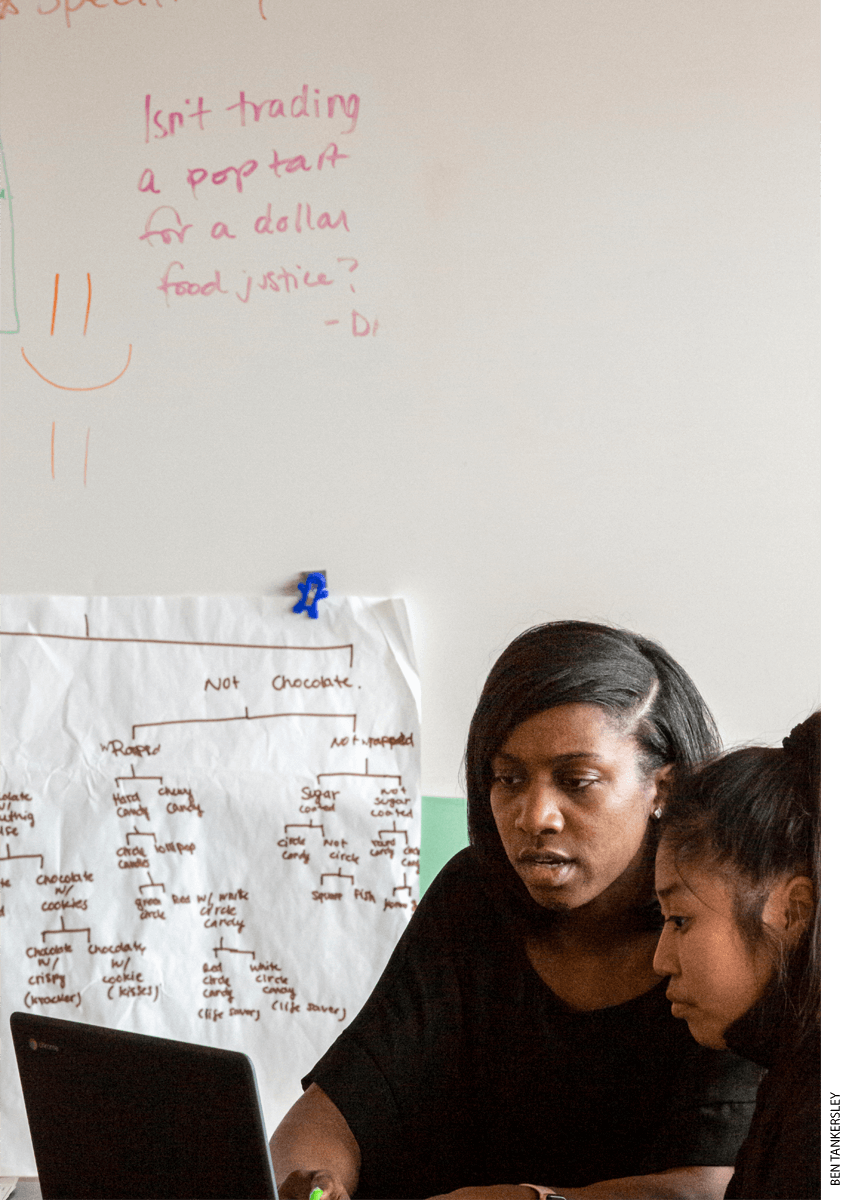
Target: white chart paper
[(209, 826)]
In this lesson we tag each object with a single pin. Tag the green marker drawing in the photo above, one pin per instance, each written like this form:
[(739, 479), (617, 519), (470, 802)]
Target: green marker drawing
[(317, 1194), (9, 320)]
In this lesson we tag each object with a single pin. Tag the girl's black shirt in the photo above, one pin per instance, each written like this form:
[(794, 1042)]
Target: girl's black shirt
[(781, 1156), (463, 1068)]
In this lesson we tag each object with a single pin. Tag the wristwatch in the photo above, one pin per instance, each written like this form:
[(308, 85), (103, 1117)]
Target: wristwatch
[(544, 1193)]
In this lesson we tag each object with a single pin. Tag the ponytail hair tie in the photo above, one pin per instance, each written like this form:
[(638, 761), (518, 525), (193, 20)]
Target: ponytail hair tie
[(795, 743)]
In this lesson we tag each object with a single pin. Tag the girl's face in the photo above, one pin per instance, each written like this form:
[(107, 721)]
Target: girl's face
[(715, 977), (571, 803)]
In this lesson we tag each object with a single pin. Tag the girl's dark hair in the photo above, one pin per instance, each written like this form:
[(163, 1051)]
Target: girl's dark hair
[(754, 814), (577, 662)]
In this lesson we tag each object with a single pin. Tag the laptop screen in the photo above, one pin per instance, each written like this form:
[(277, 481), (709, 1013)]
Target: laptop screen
[(123, 1115)]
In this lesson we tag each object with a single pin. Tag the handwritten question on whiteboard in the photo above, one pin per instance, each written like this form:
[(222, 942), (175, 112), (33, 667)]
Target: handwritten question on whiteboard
[(285, 202)]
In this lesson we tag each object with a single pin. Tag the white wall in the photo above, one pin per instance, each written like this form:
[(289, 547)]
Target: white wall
[(588, 232)]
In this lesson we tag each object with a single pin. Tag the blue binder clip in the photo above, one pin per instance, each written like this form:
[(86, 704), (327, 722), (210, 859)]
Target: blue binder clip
[(317, 580)]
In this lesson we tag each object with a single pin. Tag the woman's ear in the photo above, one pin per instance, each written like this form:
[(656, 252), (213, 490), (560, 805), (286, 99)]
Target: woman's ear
[(662, 778), (789, 907)]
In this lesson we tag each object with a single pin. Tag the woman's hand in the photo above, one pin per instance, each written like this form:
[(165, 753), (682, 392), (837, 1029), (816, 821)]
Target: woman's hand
[(300, 1185)]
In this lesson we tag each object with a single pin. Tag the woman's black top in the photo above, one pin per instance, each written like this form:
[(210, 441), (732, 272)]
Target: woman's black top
[(464, 1068), (780, 1158)]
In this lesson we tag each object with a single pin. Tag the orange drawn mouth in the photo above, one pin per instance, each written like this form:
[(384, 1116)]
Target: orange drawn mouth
[(67, 387)]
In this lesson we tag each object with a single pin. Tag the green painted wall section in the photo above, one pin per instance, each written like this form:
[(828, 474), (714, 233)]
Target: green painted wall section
[(443, 834)]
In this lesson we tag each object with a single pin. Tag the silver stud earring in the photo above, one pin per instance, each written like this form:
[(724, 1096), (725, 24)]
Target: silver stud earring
[(656, 812)]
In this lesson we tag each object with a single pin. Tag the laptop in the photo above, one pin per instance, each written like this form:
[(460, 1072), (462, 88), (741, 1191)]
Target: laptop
[(125, 1116)]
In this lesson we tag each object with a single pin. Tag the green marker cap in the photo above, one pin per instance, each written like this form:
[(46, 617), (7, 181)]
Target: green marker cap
[(317, 1193)]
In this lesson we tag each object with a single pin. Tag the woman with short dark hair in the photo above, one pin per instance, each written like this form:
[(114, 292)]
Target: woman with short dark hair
[(518, 1031), (633, 680)]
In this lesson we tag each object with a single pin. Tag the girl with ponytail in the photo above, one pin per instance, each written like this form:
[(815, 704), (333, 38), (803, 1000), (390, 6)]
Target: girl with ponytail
[(738, 879)]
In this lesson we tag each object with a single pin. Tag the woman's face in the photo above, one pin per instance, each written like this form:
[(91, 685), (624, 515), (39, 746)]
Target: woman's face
[(571, 804), (715, 977)]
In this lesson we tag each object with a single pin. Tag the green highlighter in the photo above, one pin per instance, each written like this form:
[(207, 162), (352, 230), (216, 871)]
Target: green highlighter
[(316, 1193)]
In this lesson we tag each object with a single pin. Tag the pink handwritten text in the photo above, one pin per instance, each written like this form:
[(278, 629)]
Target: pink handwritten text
[(68, 8), (300, 107), (195, 176), (163, 123), (266, 224), (184, 287)]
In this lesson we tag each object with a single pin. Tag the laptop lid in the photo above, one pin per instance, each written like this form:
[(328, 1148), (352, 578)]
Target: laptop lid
[(125, 1116)]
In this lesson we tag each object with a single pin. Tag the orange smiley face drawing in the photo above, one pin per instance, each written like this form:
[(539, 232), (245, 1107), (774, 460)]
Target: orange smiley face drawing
[(67, 387)]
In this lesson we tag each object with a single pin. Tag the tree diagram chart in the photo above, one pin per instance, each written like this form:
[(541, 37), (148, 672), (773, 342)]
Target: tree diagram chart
[(209, 824)]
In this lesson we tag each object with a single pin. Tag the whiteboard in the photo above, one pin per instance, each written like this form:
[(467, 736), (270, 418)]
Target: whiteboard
[(530, 330)]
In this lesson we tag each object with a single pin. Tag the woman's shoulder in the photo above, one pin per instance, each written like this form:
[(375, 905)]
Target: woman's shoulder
[(460, 921), (458, 888), (460, 878)]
